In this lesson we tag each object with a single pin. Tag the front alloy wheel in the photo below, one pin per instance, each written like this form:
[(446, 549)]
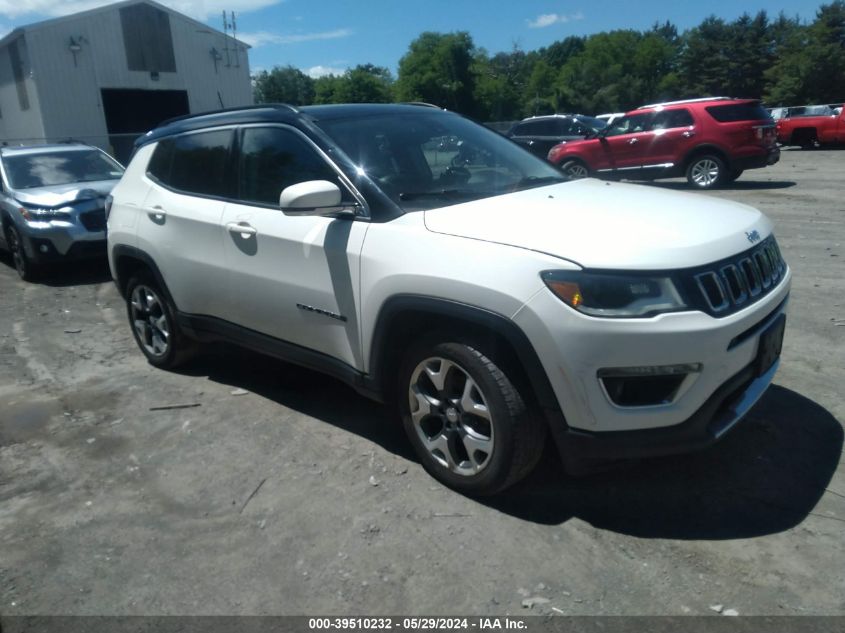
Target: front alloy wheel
[(575, 169), (23, 264), (451, 416), (706, 172), (468, 422)]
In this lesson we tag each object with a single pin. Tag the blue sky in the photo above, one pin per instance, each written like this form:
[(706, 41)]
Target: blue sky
[(322, 36)]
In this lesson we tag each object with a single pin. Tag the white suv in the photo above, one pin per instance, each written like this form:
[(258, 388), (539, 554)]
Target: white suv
[(469, 285)]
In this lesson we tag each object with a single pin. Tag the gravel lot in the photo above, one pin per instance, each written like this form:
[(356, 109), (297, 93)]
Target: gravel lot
[(301, 497)]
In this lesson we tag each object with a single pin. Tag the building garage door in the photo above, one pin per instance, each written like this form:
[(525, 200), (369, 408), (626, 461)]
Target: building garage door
[(130, 113)]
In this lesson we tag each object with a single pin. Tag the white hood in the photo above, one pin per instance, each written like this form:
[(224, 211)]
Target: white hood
[(599, 224)]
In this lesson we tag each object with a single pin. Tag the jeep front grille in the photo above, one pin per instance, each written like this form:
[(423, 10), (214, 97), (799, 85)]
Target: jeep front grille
[(730, 285)]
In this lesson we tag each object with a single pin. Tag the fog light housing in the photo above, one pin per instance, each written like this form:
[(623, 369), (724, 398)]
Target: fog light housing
[(646, 386)]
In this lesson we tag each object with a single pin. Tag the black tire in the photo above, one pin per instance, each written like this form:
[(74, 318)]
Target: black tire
[(805, 138), (25, 267), (735, 173), (575, 169), (706, 171), (471, 383), (153, 322)]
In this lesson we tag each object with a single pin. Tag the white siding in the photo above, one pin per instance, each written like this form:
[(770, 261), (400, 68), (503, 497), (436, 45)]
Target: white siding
[(16, 125), (70, 100)]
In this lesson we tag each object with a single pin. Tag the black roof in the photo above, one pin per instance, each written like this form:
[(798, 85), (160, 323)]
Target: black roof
[(276, 113)]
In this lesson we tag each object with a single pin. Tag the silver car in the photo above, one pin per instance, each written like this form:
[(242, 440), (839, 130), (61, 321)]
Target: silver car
[(52, 204)]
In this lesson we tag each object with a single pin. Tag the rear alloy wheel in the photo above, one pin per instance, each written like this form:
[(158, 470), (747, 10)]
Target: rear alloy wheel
[(153, 324), (575, 169), (706, 171), (23, 264), (468, 423)]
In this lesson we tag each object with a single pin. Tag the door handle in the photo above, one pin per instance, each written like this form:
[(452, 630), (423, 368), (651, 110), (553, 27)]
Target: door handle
[(688, 134), (244, 230), (157, 214), (633, 141)]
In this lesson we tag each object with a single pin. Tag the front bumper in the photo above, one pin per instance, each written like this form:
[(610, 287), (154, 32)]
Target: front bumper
[(575, 349), (55, 241), (718, 415)]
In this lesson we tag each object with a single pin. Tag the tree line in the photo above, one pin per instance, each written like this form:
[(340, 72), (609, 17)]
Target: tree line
[(783, 60)]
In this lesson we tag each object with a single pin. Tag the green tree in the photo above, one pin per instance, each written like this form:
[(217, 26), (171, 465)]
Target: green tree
[(603, 77), (365, 83), (703, 66), (438, 68), (500, 83), (811, 64), (283, 85)]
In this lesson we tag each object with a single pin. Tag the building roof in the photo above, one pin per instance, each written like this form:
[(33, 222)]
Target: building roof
[(35, 26)]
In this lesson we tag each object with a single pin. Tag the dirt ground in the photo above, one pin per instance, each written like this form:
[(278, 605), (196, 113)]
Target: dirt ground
[(301, 497)]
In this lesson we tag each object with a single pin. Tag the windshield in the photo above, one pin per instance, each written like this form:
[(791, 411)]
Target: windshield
[(28, 171), (428, 159)]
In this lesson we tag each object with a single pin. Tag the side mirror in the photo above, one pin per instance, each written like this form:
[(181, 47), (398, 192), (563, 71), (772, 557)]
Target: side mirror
[(313, 197)]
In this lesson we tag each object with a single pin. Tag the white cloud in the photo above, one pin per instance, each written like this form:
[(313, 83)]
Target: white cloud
[(549, 19), (321, 71), (199, 9), (262, 38)]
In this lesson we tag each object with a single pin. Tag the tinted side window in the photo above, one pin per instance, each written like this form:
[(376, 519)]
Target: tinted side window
[(275, 158), (672, 119), (630, 124), (532, 128), (738, 112), (197, 163), (562, 126), (161, 161)]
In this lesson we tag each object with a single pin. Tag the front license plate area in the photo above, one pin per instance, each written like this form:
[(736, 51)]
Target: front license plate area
[(771, 342)]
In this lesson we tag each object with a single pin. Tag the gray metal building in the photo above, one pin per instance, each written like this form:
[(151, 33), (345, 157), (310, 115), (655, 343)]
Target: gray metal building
[(106, 75)]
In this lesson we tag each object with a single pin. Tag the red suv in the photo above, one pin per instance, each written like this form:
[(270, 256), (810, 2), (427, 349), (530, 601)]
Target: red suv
[(710, 141)]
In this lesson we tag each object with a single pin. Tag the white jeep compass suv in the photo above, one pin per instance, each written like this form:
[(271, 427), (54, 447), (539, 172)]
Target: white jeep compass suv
[(467, 284)]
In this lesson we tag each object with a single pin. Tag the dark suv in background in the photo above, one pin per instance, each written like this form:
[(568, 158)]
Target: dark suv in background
[(539, 134), (710, 141)]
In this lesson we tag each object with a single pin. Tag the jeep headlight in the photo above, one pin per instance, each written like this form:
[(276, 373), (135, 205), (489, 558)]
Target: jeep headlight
[(603, 294)]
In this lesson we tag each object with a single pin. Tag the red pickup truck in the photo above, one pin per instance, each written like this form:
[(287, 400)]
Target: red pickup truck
[(808, 128)]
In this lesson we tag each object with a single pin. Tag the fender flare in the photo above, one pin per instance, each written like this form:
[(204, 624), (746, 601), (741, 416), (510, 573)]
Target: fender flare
[(502, 326)]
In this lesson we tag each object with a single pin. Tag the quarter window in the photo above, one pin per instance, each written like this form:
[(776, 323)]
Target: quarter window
[(275, 158)]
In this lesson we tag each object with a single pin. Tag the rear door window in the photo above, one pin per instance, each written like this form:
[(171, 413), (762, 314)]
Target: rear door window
[(738, 112), (195, 163), (669, 119), (535, 128), (562, 127)]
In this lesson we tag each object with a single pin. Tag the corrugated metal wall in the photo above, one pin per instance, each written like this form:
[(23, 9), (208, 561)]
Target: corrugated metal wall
[(15, 123), (69, 91)]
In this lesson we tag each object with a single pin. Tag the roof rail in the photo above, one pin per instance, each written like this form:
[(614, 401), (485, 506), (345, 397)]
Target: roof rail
[(682, 101), (277, 106), (422, 104)]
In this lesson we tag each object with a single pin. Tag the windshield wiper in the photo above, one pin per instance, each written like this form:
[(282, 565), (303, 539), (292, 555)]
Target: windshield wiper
[(438, 193), (537, 181)]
